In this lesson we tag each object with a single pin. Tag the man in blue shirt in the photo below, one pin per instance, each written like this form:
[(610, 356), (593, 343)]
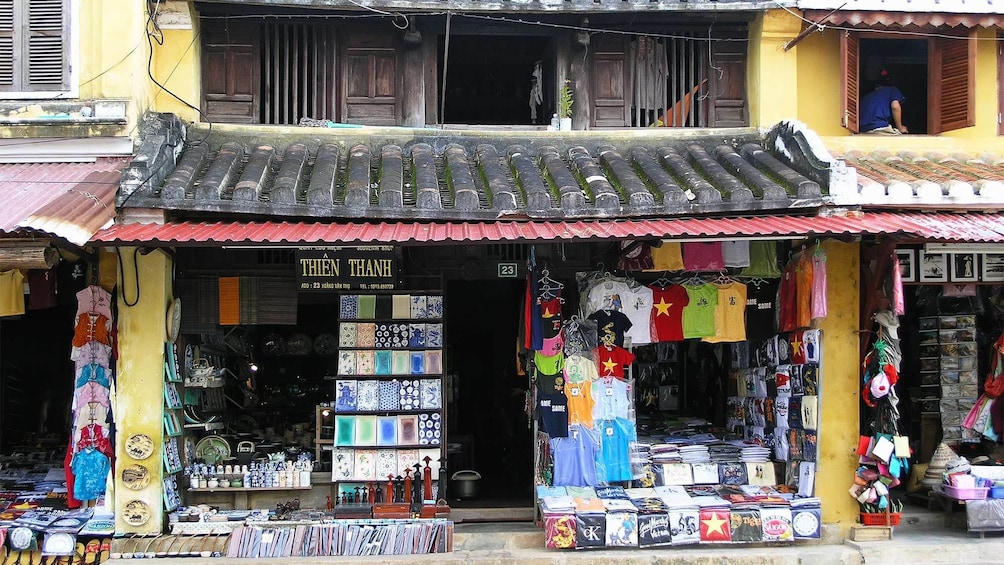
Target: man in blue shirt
[(882, 110)]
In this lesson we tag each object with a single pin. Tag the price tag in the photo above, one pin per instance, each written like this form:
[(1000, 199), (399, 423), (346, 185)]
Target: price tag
[(610, 431), (610, 391), (575, 391)]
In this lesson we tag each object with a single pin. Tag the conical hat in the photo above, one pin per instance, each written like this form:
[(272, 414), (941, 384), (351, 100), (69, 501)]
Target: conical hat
[(942, 455)]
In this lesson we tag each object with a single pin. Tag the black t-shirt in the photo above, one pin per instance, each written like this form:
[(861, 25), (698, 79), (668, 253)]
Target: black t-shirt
[(553, 410), (761, 302), (610, 326)]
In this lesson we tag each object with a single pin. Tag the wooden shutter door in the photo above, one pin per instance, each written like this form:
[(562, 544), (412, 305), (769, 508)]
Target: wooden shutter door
[(230, 73), (47, 57), (727, 84), (952, 74), (370, 82), (610, 81), (7, 55), (850, 86)]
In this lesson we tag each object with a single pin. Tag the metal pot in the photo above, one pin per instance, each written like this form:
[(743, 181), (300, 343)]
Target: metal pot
[(464, 484)]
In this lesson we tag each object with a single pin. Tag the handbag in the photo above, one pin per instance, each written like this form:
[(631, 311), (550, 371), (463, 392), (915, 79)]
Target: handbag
[(994, 385)]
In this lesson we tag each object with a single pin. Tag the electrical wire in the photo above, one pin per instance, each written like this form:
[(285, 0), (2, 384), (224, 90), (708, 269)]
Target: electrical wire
[(135, 266)]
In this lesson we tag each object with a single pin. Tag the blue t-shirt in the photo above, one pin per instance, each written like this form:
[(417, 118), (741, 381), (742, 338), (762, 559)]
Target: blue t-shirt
[(876, 111), (575, 457), (615, 458)]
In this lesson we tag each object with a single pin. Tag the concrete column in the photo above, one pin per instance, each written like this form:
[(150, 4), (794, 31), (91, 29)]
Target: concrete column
[(139, 398), (840, 384)]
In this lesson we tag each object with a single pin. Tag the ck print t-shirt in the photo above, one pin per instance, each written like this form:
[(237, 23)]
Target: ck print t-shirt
[(699, 315), (611, 326), (730, 314), (667, 312)]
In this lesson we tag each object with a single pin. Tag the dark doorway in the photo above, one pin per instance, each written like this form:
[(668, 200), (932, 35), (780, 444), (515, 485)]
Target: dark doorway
[(487, 425), (906, 61), (489, 79)]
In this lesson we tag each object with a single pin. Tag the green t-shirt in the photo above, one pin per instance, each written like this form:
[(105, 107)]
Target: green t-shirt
[(763, 260), (699, 314)]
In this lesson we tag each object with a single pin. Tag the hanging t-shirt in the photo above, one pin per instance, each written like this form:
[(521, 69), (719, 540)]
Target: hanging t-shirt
[(610, 399), (611, 326), (580, 368), (730, 314), (548, 364), (553, 410), (606, 295), (763, 260), (667, 257), (803, 292), (11, 293), (550, 313), (580, 403), (611, 360), (639, 258), (736, 253), (703, 256), (580, 337), (550, 384), (637, 306), (615, 439), (575, 458), (667, 312), (91, 352), (761, 296), (819, 286), (787, 298), (699, 315), (42, 289)]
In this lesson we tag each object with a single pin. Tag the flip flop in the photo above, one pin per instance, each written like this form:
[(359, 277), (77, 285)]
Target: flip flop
[(105, 550), (11, 557), (91, 551)]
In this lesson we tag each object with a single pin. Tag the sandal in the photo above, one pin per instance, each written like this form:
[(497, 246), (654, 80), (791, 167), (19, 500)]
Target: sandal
[(149, 552), (91, 551), (104, 551)]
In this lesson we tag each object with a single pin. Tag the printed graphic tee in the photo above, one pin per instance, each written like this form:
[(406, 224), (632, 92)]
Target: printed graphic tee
[(699, 315), (611, 360), (637, 306), (611, 326), (761, 297), (730, 314), (667, 312)]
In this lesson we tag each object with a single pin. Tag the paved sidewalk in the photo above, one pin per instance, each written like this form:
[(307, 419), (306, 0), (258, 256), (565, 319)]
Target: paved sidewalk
[(920, 538)]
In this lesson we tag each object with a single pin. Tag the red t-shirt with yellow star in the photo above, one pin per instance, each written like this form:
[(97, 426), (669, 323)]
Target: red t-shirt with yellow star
[(798, 352), (667, 312), (611, 360)]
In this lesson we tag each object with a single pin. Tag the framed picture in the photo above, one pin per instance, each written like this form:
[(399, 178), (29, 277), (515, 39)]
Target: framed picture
[(933, 267), (993, 267), (907, 264), (964, 267)]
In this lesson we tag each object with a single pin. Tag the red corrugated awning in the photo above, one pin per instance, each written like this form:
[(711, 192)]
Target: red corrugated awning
[(984, 228), (918, 18), (66, 200)]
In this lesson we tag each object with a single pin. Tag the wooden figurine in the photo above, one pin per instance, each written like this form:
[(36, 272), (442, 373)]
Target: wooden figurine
[(388, 496), (407, 485), (427, 479)]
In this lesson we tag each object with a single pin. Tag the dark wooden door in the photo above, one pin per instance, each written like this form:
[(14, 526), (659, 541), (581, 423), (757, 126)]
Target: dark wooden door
[(611, 88), (727, 85), (370, 82), (230, 73)]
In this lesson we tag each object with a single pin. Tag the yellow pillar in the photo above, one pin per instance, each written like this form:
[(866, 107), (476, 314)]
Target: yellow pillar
[(840, 384), (773, 72), (143, 295), (176, 62)]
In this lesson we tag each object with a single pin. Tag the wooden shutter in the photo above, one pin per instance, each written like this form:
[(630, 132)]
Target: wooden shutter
[(8, 60), (610, 81), (47, 57), (230, 72), (850, 86), (952, 76), (34, 45), (370, 80), (1000, 84), (727, 83)]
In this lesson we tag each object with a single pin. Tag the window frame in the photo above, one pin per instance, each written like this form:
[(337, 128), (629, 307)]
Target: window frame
[(939, 91), (71, 39)]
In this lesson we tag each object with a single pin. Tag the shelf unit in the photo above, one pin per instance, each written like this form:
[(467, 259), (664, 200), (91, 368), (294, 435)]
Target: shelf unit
[(389, 411), (959, 375), (173, 426)]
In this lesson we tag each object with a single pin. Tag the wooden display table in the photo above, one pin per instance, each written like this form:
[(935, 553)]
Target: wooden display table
[(241, 494)]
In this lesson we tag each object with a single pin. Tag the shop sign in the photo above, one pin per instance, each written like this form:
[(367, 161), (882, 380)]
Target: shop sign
[(345, 268), (508, 270)]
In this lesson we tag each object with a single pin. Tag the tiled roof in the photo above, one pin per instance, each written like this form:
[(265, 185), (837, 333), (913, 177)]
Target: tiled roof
[(395, 173), (524, 6), (66, 200), (935, 179)]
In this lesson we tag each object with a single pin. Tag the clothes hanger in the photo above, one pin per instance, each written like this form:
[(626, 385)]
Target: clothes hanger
[(663, 281), (723, 278), (694, 280)]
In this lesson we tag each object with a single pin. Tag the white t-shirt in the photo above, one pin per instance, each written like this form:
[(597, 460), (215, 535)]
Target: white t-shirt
[(637, 306), (607, 295), (736, 253)]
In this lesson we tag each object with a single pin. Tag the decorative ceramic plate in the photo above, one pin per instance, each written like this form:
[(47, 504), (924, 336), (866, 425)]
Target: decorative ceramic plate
[(139, 446), (135, 476), (136, 513), (212, 449)]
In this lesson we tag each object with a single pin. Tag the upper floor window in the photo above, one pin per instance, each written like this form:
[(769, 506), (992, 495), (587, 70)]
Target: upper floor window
[(935, 74), (34, 46)]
